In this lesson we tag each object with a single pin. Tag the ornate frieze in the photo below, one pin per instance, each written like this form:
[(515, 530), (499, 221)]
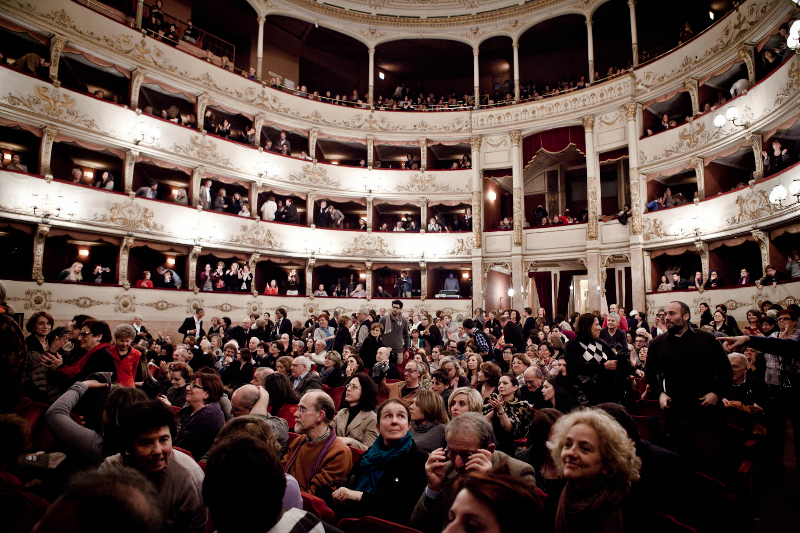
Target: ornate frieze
[(369, 244), (257, 234), (130, 215)]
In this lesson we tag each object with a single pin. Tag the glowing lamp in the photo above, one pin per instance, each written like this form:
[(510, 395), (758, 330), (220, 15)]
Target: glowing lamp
[(719, 121), (777, 195)]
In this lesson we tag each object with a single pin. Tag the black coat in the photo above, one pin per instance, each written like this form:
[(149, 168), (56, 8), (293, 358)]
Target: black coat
[(530, 324), (512, 334), (597, 382), (342, 339), (188, 325), (282, 326), (291, 214), (369, 350), (241, 336), (397, 491)]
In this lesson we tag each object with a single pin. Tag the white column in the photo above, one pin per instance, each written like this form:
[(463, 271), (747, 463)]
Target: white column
[(423, 151), (371, 93), (594, 300), (122, 263), (310, 209), (477, 281), (515, 46), (57, 43), (590, 38), (592, 186), (637, 206), (368, 279), (475, 76), (260, 51), (516, 173), (634, 37), (477, 196), (139, 10), (38, 252), (127, 174), (46, 149)]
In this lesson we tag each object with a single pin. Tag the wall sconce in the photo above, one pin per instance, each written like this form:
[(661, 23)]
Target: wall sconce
[(492, 196), (83, 252), (89, 174), (465, 275), (511, 293), (171, 261), (778, 195), (269, 170), (793, 41), (148, 135), (362, 275), (731, 114), (7, 157), (381, 75)]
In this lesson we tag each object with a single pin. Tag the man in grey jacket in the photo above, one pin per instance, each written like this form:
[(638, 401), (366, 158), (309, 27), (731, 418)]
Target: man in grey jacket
[(395, 328), (469, 441)]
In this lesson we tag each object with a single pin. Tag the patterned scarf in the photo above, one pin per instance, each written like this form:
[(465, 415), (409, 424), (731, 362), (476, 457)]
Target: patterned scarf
[(329, 440), (597, 510)]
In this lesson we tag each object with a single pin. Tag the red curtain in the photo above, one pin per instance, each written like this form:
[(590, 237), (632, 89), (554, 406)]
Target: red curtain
[(553, 141), (614, 155), (565, 280), (544, 288)]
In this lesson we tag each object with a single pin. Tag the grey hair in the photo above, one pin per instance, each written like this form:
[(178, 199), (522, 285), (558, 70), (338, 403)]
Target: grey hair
[(182, 350), (262, 372), (537, 371), (256, 338), (363, 311), (737, 355), (138, 316), (124, 331), (303, 360), (450, 359), (204, 343), (231, 344), (615, 316), (334, 356), (470, 423)]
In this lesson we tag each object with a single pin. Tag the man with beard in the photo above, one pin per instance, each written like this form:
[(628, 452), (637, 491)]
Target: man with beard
[(689, 363), (395, 328)]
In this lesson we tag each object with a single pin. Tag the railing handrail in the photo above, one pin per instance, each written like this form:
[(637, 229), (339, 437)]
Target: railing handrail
[(182, 25)]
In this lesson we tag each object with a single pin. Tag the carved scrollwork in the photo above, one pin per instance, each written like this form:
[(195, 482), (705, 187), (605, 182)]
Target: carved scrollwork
[(314, 175), (752, 206), (52, 103), (368, 244), (204, 149), (422, 182), (129, 215), (462, 246), (257, 234), (653, 229)]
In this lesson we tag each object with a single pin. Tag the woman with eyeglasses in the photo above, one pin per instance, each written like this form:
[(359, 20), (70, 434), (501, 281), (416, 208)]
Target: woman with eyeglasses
[(388, 480), (356, 423), (202, 417), (660, 326)]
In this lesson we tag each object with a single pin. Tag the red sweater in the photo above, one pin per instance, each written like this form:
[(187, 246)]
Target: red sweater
[(126, 367)]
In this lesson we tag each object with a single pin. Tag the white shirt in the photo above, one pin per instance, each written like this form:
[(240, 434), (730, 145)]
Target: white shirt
[(268, 210)]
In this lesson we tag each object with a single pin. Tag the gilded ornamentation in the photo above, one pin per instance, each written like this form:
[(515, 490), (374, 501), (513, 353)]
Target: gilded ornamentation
[(161, 305), (38, 252), (515, 137), (588, 123), (475, 143), (754, 205), (52, 103), (193, 304), (257, 234), (204, 149), (368, 244), (630, 111), (37, 300), (518, 215), (763, 244), (124, 252), (422, 182), (463, 246), (315, 175), (592, 208), (225, 307), (56, 46), (254, 307), (48, 136), (501, 142), (193, 255), (84, 302), (129, 215), (124, 303), (653, 229), (692, 87), (792, 85), (137, 78), (616, 117), (477, 222), (636, 204)]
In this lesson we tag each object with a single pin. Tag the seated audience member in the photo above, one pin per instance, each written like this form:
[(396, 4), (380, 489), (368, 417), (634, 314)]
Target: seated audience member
[(202, 417), (356, 423), (509, 416), (483, 498), (464, 400), (756, 365), (94, 338), (557, 397), (121, 496), (145, 282), (488, 378), (101, 274), (387, 481), (428, 421), (304, 378), (179, 375), (150, 192), (77, 175), (190, 34), (146, 445), (469, 441), (406, 389), (532, 392), (283, 399), (714, 281), (332, 374), (746, 392), (249, 400), (91, 446), (16, 164), (33, 64), (246, 462), (598, 460), (440, 383), (772, 277), (318, 460), (105, 181)]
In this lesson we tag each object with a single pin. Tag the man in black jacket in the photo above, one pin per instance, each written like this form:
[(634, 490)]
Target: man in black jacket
[(241, 334), (529, 322), (282, 324), (689, 363), (291, 212), (193, 325), (512, 334)]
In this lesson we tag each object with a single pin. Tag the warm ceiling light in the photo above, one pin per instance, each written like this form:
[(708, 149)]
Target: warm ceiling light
[(334, 162), (89, 174), (362, 275), (7, 156), (171, 261), (492, 196), (83, 252), (465, 275)]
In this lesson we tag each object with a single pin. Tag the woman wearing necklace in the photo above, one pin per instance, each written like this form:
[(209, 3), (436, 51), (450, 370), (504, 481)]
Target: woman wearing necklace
[(509, 416), (38, 325)]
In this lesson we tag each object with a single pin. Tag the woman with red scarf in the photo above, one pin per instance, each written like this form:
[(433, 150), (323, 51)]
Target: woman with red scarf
[(94, 337)]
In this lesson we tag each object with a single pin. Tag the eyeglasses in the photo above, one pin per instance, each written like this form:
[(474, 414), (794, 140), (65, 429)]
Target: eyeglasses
[(351, 386), (301, 409), (396, 307), (408, 371), (463, 454), (196, 386), (781, 318), (84, 333)]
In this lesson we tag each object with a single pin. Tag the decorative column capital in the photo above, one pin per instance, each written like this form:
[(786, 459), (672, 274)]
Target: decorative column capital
[(588, 123), (475, 142), (475, 51), (515, 136), (515, 45), (371, 51), (632, 4), (630, 111), (57, 43), (261, 20), (589, 23)]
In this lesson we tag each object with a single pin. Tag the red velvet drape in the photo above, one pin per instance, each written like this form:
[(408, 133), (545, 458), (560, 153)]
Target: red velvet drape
[(565, 280), (544, 288), (553, 141)]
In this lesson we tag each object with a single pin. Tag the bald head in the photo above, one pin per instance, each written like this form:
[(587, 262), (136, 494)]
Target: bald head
[(533, 378), (243, 400)]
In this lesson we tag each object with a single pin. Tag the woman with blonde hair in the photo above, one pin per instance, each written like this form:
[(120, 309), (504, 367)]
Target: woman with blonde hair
[(474, 362), (73, 273), (594, 454), (464, 400), (428, 421)]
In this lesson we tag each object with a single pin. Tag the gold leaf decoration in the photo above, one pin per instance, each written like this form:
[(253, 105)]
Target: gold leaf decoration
[(52, 103), (202, 148), (368, 244), (314, 175), (130, 215), (257, 235), (422, 182), (754, 205)]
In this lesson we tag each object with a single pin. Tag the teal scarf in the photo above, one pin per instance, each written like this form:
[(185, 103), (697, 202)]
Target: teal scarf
[(373, 463)]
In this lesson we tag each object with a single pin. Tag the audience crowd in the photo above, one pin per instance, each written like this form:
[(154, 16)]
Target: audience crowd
[(411, 418)]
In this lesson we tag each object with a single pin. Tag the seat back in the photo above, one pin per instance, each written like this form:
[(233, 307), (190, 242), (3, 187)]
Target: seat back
[(370, 524), (187, 452), (714, 448), (318, 507), (647, 408), (652, 429), (664, 523), (337, 395), (356, 453)]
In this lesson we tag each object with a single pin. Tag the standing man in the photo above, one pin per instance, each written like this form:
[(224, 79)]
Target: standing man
[(528, 322), (193, 326), (404, 285), (205, 194), (282, 324), (284, 145), (691, 365), (395, 329), (512, 334), (364, 325), (292, 217)]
